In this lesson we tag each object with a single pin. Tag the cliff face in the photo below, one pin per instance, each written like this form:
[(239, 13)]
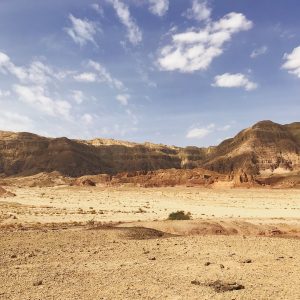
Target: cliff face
[(264, 148), (28, 154)]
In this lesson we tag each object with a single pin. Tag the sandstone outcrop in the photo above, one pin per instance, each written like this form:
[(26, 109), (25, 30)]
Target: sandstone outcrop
[(4, 193), (264, 149)]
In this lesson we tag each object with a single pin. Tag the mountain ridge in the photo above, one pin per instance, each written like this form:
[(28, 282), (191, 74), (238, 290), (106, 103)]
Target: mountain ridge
[(264, 148)]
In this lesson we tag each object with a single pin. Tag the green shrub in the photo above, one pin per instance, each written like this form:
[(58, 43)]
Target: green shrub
[(179, 215)]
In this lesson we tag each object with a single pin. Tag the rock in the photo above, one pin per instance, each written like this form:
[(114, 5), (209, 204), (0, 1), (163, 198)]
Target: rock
[(265, 148), (4, 193), (38, 283), (221, 287), (247, 261), (84, 182), (207, 263), (152, 258), (195, 282)]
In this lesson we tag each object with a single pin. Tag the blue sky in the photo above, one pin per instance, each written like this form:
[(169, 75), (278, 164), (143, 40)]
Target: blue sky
[(178, 72)]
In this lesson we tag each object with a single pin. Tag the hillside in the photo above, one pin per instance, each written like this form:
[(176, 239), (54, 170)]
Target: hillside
[(265, 148)]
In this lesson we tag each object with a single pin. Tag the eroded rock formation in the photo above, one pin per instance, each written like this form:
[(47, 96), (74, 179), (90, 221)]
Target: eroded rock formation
[(263, 149)]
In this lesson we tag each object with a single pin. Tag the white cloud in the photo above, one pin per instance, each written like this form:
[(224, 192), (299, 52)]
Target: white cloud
[(123, 99), (105, 76), (195, 49), (159, 7), (133, 32), (199, 11), (227, 80), (37, 97), (132, 116), (259, 51), (4, 94), (14, 121), (78, 96), (292, 62), (37, 72), (87, 119), (97, 8), (225, 127), (86, 77), (200, 132), (82, 31), (99, 74)]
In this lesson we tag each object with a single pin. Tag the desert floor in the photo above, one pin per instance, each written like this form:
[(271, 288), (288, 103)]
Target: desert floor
[(115, 243)]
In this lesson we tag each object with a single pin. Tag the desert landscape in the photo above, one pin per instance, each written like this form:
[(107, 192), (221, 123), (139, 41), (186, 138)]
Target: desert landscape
[(149, 149), (112, 235)]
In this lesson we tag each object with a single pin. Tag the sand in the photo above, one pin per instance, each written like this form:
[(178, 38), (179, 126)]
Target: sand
[(115, 243)]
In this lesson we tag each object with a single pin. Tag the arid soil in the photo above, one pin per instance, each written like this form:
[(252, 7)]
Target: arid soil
[(70, 242)]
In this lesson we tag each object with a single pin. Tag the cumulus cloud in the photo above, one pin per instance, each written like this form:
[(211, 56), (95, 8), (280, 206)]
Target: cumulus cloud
[(200, 132), (292, 62), (199, 11), (81, 31), (237, 80), (259, 51), (134, 34), (37, 97), (195, 49), (123, 99), (159, 7)]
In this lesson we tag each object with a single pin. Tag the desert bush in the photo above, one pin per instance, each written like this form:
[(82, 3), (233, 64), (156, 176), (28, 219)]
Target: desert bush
[(90, 222), (179, 215)]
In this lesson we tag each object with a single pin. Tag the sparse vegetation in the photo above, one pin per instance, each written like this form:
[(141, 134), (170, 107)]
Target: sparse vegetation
[(90, 222), (180, 215)]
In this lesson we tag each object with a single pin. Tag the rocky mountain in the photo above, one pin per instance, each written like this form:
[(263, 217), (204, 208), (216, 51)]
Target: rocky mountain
[(265, 148)]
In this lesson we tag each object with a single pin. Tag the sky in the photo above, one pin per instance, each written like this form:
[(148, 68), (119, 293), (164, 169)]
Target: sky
[(176, 72)]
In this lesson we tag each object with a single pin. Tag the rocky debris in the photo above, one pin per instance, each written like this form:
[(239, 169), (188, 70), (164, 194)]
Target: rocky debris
[(38, 283), (84, 182), (221, 287), (241, 177), (42, 179), (247, 261), (4, 193), (170, 177), (152, 258), (92, 180)]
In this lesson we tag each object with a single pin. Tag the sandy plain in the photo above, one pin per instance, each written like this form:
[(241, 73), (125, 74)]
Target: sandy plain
[(115, 243)]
